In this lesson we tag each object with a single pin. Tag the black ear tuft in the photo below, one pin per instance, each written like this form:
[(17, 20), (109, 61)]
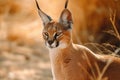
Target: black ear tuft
[(45, 18), (66, 4)]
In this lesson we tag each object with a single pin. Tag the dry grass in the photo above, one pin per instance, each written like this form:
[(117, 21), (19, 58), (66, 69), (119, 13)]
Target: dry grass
[(100, 49), (112, 19)]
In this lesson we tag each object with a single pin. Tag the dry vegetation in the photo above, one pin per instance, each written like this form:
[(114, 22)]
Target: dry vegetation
[(23, 55)]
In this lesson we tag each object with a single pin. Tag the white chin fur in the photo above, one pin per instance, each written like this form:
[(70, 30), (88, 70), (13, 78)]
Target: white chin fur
[(61, 45), (51, 46), (54, 45)]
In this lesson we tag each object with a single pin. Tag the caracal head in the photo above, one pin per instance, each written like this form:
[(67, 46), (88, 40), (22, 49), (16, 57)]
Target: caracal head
[(56, 34)]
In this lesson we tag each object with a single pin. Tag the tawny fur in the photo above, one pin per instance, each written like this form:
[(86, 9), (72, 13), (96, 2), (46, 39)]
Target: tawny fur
[(71, 64)]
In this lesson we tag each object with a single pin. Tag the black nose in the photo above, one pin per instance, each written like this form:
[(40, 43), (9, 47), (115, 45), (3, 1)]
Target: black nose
[(50, 42)]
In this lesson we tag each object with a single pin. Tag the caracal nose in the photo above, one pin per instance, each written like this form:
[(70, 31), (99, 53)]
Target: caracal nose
[(50, 42)]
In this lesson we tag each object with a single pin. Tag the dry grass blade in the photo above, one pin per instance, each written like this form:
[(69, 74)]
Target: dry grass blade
[(112, 19), (93, 76), (100, 77), (99, 72), (111, 32)]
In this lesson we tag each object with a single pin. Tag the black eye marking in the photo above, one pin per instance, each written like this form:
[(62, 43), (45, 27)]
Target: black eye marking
[(57, 34), (57, 44)]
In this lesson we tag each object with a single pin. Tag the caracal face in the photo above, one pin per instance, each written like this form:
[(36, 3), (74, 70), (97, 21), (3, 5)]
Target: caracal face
[(56, 36)]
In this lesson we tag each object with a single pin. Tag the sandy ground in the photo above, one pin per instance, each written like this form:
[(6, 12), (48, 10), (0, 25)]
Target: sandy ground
[(18, 62)]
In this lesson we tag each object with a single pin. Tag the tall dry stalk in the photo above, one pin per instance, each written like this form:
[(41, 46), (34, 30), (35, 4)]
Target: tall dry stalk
[(100, 73), (112, 19)]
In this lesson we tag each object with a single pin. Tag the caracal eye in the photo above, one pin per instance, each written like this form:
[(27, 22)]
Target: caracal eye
[(57, 34), (46, 34)]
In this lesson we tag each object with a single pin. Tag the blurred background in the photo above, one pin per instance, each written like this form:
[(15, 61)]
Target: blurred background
[(23, 55)]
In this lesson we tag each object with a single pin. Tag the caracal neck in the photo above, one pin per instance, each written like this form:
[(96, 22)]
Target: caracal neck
[(54, 52)]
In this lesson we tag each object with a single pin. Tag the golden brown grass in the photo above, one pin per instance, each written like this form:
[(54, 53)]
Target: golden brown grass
[(112, 19), (100, 49)]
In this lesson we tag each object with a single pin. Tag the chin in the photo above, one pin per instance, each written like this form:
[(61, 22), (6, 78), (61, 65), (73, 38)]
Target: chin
[(50, 47), (61, 45), (53, 46)]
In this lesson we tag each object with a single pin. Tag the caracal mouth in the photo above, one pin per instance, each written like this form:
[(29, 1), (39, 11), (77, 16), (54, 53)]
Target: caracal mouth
[(53, 46)]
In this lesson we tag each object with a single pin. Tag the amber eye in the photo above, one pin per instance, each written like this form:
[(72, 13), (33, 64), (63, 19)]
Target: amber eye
[(46, 35)]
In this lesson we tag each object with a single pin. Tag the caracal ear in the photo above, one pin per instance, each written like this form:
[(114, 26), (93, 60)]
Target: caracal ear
[(44, 17), (66, 17)]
